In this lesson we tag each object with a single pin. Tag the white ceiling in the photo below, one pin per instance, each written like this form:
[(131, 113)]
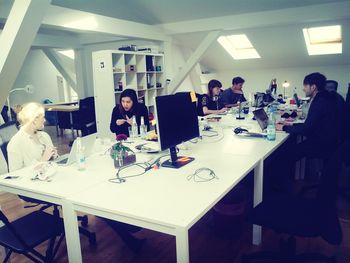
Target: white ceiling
[(167, 11), (279, 45)]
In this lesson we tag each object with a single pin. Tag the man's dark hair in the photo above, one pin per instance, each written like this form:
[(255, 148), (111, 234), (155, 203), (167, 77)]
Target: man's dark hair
[(237, 80), (317, 79), (212, 84)]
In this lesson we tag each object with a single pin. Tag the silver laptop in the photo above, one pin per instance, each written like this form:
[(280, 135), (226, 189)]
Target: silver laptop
[(262, 118), (87, 142)]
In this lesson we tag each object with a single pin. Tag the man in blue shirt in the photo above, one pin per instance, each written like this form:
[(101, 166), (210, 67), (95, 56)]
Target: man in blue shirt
[(231, 96)]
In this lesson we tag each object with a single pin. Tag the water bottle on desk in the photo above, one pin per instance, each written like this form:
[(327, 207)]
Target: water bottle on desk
[(80, 156), (134, 127), (143, 128), (271, 127)]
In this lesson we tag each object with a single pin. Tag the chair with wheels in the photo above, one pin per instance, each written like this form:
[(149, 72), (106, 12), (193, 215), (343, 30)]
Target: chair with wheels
[(296, 215)]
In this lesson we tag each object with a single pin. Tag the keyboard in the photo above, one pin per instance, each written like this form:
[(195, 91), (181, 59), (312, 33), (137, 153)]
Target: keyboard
[(252, 134)]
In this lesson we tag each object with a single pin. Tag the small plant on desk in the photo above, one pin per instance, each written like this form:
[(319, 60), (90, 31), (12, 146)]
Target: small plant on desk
[(121, 154)]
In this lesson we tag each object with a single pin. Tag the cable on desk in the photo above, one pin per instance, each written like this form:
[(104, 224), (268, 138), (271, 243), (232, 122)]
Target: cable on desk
[(146, 166), (198, 176)]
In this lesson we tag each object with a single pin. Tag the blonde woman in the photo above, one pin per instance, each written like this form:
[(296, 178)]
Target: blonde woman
[(30, 144)]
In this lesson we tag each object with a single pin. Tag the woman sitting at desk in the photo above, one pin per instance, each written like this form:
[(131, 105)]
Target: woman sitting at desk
[(211, 104), (122, 114), (30, 144)]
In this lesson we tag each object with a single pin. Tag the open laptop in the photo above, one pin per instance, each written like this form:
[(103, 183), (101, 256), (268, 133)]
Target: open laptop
[(87, 142), (262, 118)]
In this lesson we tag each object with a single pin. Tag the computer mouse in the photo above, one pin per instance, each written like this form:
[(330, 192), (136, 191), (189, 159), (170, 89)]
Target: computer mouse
[(239, 130)]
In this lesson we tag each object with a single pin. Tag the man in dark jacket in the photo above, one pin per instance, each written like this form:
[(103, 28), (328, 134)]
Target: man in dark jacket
[(322, 127)]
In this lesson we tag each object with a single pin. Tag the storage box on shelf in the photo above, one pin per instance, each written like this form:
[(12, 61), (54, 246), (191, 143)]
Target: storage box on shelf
[(115, 71)]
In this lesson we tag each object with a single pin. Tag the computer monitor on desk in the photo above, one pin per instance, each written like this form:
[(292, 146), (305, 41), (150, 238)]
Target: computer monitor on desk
[(177, 122)]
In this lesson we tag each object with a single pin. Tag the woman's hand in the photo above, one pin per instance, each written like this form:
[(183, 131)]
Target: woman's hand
[(129, 120), (120, 122), (48, 153), (223, 110)]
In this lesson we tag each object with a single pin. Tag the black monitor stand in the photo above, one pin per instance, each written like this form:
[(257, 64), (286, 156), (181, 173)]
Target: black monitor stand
[(176, 161)]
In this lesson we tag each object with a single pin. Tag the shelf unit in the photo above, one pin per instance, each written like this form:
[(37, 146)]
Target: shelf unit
[(115, 71)]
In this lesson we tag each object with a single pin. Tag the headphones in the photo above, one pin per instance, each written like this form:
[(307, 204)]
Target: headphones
[(239, 130), (291, 115)]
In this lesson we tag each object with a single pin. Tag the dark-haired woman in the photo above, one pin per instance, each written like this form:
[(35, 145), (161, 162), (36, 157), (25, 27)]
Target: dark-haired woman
[(211, 103), (123, 113)]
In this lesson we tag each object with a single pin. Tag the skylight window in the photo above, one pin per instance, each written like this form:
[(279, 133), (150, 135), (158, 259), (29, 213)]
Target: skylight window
[(323, 40), (68, 53), (238, 46)]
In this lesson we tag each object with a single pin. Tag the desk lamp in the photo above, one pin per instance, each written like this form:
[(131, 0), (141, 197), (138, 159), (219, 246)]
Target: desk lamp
[(28, 88), (285, 85)]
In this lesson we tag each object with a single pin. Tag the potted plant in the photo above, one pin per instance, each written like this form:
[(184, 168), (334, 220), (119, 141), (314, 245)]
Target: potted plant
[(121, 154)]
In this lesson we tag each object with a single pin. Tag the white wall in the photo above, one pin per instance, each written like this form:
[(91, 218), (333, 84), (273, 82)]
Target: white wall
[(259, 80), (38, 71)]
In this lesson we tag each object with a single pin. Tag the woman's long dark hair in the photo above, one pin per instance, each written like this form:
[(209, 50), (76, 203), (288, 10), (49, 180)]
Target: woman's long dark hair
[(211, 85), (133, 96)]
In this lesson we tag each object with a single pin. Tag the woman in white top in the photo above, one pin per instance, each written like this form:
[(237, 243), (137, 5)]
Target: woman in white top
[(30, 144)]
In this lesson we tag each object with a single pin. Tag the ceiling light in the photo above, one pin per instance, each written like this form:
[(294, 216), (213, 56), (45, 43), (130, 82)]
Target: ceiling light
[(238, 46), (323, 40)]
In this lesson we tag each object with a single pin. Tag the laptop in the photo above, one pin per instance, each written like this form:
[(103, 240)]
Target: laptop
[(262, 118), (87, 142)]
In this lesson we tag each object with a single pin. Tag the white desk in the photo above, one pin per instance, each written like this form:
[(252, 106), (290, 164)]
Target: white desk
[(162, 200)]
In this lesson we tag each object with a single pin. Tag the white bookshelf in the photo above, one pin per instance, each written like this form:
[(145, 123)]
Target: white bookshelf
[(115, 71)]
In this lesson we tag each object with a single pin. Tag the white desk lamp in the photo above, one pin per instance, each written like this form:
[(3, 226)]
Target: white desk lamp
[(28, 88), (285, 85)]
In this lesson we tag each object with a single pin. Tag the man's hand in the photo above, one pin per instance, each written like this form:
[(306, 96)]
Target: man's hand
[(279, 126)]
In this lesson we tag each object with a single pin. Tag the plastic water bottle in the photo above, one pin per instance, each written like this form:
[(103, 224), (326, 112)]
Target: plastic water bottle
[(143, 129), (271, 127), (80, 156), (134, 127)]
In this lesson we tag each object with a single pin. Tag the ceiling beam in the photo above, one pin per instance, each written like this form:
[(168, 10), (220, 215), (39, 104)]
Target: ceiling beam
[(78, 21), (65, 72), (16, 39), (305, 14), (192, 61)]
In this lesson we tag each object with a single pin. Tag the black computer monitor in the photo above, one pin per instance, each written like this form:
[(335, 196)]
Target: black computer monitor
[(297, 100), (177, 122)]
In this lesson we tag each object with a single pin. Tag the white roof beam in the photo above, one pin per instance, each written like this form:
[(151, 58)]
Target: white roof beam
[(75, 20), (192, 61), (311, 14), (56, 61), (16, 39)]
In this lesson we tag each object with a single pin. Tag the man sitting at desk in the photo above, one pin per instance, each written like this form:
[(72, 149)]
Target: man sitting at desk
[(231, 96), (321, 127)]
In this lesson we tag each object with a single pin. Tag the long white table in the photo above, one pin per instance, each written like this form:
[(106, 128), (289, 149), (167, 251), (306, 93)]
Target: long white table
[(162, 200)]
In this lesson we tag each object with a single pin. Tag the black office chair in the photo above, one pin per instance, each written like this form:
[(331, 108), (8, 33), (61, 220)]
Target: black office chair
[(85, 119), (298, 216), (7, 131), (24, 234)]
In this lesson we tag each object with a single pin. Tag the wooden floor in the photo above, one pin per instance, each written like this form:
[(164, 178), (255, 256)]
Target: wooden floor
[(208, 243)]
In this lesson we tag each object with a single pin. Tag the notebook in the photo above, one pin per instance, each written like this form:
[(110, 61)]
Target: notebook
[(87, 142)]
